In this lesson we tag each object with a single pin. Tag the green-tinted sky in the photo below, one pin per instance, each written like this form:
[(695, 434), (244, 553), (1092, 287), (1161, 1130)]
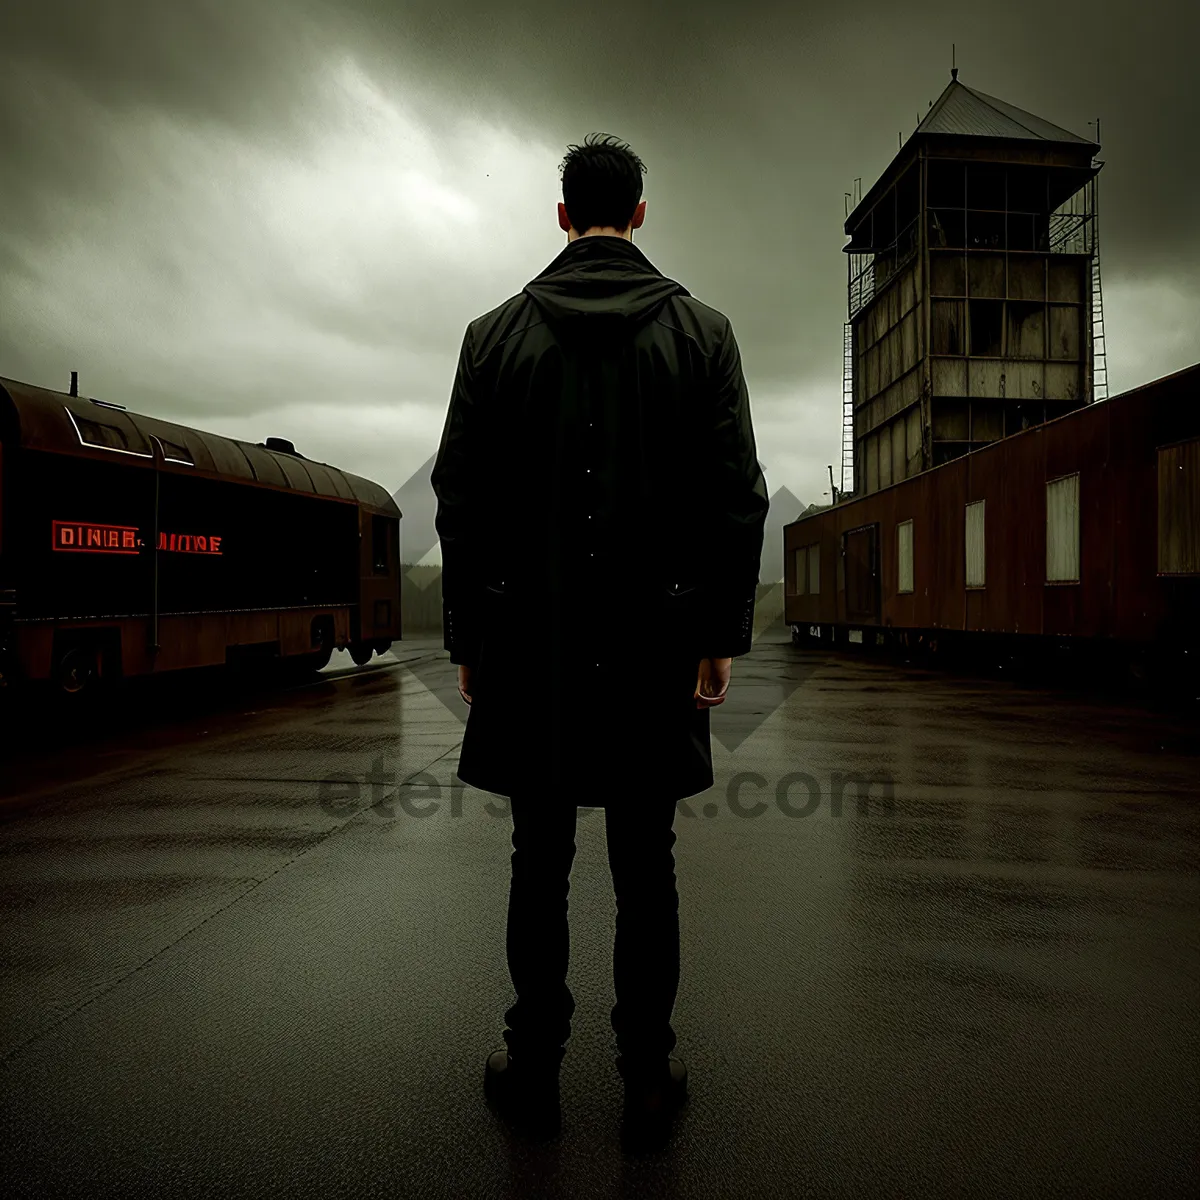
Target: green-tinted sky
[(269, 218)]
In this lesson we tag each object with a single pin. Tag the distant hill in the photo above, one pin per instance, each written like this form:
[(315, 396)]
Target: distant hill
[(418, 502), (783, 510)]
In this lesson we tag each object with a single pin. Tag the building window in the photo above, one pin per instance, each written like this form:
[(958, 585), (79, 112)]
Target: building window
[(1179, 508), (103, 436), (976, 557), (904, 556), (1062, 529), (946, 327), (987, 327), (808, 570), (174, 452)]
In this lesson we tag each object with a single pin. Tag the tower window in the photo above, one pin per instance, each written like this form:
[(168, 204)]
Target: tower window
[(946, 334), (987, 327), (1027, 190), (1026, 329), (985, 186), (947, 228), (944, 185)]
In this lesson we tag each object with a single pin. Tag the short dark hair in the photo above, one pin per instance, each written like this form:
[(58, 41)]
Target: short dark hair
[(601, 183)]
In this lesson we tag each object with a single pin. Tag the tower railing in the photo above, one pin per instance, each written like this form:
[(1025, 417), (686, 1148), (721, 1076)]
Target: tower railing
[(872, 269)]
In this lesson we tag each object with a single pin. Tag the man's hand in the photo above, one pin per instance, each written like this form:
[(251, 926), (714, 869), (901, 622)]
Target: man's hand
[(464, 683), (712, 682)]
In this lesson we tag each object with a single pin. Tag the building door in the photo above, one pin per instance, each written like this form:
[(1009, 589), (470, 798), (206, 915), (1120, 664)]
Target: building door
[(860, 554)]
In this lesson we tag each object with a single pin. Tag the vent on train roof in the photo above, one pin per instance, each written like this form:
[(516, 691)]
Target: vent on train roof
[(282, 445)]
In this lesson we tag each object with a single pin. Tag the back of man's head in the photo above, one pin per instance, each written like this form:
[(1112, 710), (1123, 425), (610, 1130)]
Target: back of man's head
[(601, 184)]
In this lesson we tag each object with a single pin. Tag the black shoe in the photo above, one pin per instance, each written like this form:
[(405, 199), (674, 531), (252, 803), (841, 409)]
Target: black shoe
[(524, 1093), (653, 1095)]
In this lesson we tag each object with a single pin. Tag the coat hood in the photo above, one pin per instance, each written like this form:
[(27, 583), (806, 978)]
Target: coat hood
[(601, 276)]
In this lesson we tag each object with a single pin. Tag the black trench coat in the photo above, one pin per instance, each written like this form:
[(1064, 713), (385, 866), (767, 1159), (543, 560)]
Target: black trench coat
[(600, 508)]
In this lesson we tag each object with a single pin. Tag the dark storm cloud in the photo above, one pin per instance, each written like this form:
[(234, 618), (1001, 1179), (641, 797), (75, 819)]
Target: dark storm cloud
[(237, 64), (805, 96), (753, 120)]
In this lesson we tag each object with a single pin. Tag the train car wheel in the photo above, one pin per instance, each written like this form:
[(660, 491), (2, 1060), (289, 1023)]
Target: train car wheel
[(361, 652), (78, 670)]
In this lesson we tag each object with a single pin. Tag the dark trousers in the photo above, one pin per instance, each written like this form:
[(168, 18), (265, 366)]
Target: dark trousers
[(640, 838)]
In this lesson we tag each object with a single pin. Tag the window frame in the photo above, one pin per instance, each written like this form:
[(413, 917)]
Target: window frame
[(1067, 580), (981, 583), (802, 580), (901, 590)]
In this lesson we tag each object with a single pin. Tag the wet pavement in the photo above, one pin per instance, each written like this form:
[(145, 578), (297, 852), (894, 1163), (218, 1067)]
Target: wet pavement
[(254, 945)]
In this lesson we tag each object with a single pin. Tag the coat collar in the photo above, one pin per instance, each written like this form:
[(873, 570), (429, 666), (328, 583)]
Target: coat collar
[(601, 275)]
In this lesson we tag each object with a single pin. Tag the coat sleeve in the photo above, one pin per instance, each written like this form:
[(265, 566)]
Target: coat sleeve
[(457, 483), (738, 492)]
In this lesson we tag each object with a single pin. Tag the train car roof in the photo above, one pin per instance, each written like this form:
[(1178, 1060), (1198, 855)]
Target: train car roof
[(55, 421)]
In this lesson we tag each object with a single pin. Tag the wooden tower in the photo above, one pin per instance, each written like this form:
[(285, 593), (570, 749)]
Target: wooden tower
[(974, 285)]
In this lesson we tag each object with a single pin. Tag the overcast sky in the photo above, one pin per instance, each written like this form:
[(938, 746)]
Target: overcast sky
[(270, 218)]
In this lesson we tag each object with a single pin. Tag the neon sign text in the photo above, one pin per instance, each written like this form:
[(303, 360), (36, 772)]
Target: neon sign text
[(90, 537), (102, 539), (189, 543)]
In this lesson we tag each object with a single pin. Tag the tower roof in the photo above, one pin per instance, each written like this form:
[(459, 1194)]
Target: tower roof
[(961, 110)]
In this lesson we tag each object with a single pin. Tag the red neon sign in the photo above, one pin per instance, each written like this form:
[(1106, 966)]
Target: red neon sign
[(189, 543), (90, 537), (96, 539)]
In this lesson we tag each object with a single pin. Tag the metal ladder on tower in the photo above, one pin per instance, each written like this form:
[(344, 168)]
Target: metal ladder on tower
[(1099, 365), (848, 411)]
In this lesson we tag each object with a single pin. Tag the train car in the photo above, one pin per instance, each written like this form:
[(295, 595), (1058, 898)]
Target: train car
[(131, 546), (1085, 529)]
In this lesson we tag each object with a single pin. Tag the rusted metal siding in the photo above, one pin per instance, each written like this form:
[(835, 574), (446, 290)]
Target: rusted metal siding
[(1114, 448)]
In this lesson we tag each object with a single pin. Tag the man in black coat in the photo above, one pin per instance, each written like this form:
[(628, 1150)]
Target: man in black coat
[(601, 511)]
